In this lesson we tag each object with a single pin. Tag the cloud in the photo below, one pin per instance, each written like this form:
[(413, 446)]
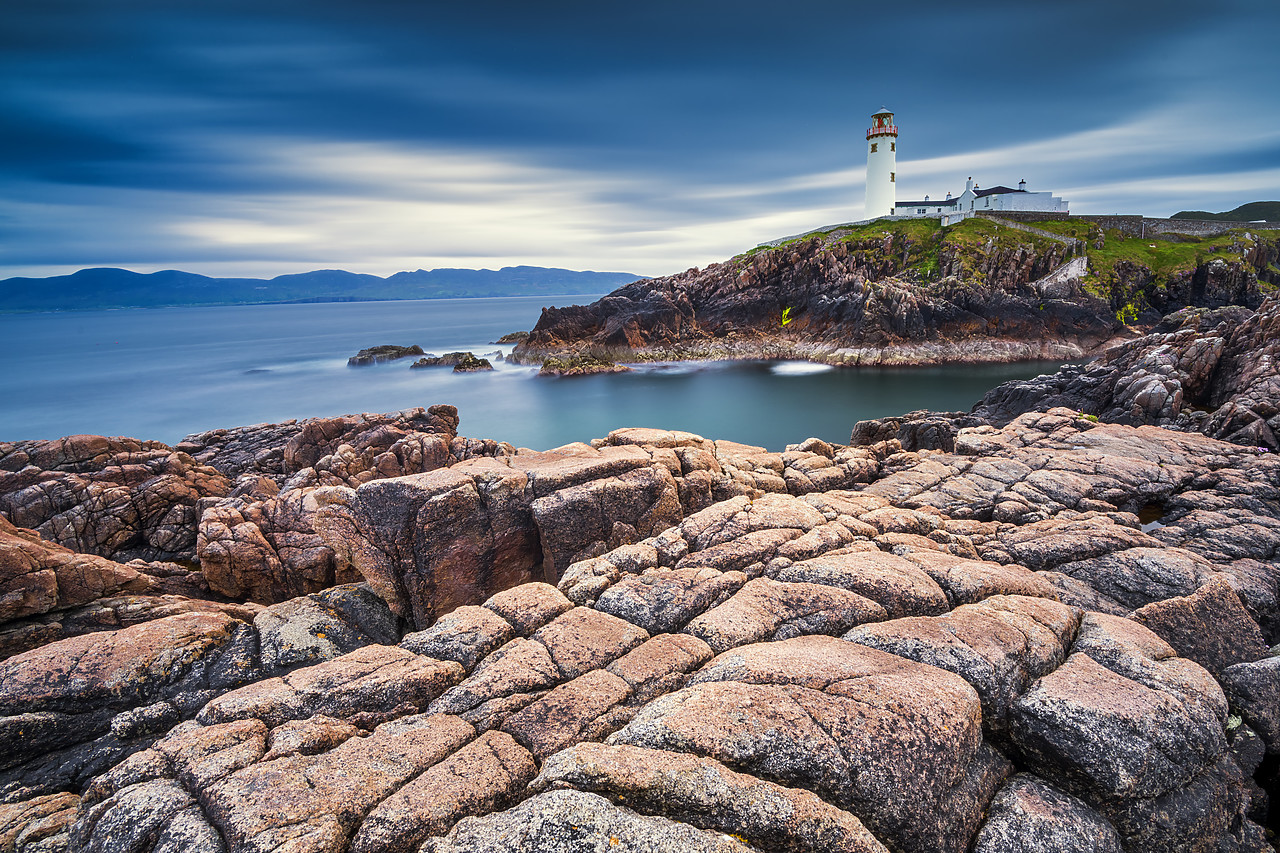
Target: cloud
[(378, 208), (382, 207), (236, 137), (1138, 164)]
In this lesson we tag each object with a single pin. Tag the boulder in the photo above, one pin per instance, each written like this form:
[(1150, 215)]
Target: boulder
[(568, 821), (1253, 689), (707, 794), (1028, 815), (825, 714), (1106, 736), (998, 646), (112, 497), (384, 352), (1210, 626)]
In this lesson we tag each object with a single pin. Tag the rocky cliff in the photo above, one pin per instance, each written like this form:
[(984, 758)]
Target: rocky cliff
[(1212, 371), (912, 292), (1044, 636)]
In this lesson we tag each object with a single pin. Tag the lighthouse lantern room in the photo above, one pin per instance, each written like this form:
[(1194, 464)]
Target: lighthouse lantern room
[(882, 158)]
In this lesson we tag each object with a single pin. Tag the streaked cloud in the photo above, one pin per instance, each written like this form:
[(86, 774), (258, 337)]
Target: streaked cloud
[(240, 139)]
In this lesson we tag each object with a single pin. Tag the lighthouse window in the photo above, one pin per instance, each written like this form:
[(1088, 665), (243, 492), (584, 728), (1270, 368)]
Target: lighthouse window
[(874, 145), (893, 146), (893, 178)]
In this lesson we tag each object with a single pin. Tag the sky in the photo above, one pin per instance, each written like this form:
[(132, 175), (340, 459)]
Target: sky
[(255, 138)]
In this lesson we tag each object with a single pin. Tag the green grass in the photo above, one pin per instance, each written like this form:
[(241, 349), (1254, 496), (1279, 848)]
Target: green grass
[(1078, 228), (1162, 257), (917, 245)]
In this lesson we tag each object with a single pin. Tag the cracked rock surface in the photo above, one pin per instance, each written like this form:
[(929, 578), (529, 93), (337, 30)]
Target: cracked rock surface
[(1212, 371), (661, 642)]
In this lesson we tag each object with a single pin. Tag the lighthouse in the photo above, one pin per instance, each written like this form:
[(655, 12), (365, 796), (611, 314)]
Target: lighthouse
[(882, 164)]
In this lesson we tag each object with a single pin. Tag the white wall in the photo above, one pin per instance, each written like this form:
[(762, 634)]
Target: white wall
[(881, 166), (1044, 201), (930, 209), (1028, 201)]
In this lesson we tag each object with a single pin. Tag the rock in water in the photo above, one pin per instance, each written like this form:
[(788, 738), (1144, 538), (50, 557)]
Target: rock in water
[(449, 359), (379, 354), (470, 364), (579, 366)]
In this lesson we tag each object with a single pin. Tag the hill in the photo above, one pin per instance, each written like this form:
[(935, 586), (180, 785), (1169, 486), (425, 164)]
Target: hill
[(913, 292), (1254, 211), (102, 288)]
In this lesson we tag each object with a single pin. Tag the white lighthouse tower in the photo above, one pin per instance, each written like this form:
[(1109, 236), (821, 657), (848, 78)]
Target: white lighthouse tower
[(882, 164)]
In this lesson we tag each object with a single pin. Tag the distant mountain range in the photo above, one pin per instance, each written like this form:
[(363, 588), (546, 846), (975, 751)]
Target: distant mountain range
[(1268, 211), (107, 287)]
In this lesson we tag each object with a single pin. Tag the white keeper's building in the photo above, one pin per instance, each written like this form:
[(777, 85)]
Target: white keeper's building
[(882, 181)]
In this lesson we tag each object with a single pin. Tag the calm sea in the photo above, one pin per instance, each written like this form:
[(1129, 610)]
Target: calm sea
[(164, 373)]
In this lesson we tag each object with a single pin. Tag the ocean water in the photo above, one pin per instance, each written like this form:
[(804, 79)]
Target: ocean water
[(167, 372)]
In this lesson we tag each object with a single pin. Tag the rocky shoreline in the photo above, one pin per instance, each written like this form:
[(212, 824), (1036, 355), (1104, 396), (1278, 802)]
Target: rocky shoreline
[(913, 293), (1213, 371), (1049, 624), (394, 638)]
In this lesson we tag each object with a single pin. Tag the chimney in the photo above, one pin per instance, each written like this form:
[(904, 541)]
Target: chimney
[(1022, 185), (968, 185), (948, 195), (926, 198)]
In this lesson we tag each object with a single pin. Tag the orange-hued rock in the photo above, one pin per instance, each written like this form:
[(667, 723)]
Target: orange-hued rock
[(113, 497), (1210, 626), (891, 651), (707, 794)]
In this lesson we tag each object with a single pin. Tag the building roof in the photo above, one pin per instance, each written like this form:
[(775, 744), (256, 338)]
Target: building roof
[(996, 191), (936, 202)]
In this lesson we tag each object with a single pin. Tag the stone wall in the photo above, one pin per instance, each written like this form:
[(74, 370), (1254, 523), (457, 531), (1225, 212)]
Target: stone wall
[(1201, 227), (1026, 215), (1132, 225), (1009, 222)]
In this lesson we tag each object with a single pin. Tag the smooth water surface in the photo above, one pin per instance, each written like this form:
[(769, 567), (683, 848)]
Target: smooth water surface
[(167, 372)]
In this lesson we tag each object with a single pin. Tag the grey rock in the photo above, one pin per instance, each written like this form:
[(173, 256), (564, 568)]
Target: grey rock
[(1106, 736), (1253, 689), (1029, 815), (1210, 626), (323, 626), (1207, 813), (573, 822), (466, 635)]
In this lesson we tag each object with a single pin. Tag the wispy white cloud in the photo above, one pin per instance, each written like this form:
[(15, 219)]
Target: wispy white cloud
[(382, 207), (1164, 156)]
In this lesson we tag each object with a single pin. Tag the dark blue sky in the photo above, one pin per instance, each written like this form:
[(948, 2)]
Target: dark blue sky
[(256, 138)]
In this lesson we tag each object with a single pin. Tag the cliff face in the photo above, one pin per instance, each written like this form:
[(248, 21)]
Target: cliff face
[(897, 292), (1215, 371)]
